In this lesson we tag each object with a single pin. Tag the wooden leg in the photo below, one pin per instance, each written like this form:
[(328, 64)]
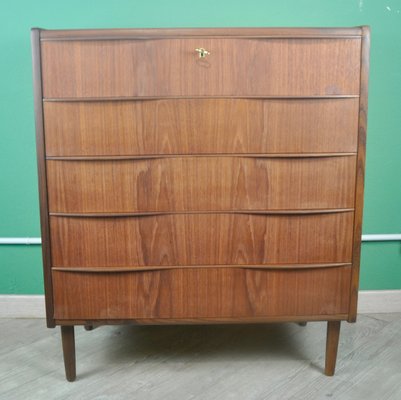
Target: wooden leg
[(68, 339), (333, 334), (302, 323)]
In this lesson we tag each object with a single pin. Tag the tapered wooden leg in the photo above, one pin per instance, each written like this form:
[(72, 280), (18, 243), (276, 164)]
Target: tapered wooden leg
[(333, 334), (68, 339)]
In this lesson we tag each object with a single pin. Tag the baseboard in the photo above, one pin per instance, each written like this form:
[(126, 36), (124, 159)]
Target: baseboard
[(33, 306), (22, 306), (379, 301)]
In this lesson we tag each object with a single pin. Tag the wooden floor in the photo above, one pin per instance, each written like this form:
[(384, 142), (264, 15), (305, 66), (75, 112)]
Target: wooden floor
[(278, 361)]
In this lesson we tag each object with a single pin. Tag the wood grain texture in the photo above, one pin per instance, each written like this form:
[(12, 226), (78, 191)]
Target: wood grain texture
[(138, 33), (196, 239), (42, 180), (169, 67), (360, 172), (193, 126), (197, 293), (201, 183)]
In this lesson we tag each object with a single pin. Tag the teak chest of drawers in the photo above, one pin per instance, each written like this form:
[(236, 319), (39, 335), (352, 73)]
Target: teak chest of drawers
[(200, 175)]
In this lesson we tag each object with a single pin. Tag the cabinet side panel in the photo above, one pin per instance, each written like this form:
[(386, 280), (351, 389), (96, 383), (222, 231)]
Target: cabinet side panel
[(360, 172), (40, 149)]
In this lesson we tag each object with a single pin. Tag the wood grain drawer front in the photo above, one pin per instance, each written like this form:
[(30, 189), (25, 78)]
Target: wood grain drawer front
[(194, 126), (201, 293), (201, 239), (171, 67), (201, 183)]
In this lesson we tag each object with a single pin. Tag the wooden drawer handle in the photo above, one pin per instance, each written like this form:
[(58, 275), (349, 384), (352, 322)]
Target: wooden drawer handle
[(155, 268), (165, 213)]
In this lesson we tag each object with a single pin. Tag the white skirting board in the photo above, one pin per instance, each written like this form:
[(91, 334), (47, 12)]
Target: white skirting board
[(379, 301), (33, 306), (22, 306)]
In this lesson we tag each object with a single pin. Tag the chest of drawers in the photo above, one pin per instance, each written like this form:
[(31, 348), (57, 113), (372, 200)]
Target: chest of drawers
[(200, 175)]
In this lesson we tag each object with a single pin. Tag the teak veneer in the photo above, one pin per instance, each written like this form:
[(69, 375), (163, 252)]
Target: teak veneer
[(200, 176)]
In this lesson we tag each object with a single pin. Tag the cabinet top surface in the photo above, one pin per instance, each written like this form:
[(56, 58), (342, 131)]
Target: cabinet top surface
[(87, 34)]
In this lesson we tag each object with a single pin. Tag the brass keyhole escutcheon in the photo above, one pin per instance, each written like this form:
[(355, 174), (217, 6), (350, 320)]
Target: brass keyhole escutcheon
[(202, 52)]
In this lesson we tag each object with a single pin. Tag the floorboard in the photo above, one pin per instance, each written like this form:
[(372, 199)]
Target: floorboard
[(255, 362)]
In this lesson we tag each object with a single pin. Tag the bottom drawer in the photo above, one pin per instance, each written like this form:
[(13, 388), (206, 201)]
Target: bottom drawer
[(209, 292)]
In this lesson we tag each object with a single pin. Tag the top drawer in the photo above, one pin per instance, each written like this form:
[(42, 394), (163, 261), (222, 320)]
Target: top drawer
[(172, 67)]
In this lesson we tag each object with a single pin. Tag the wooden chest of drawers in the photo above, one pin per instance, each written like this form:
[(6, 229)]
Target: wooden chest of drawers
[(200, 175)]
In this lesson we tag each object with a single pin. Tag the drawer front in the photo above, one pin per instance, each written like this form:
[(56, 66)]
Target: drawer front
[(201, 293), (198, 126), (171, 67), (201, 183), (201, 239)]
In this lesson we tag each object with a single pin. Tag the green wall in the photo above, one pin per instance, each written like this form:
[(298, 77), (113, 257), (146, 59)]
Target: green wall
[(20, 265)]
